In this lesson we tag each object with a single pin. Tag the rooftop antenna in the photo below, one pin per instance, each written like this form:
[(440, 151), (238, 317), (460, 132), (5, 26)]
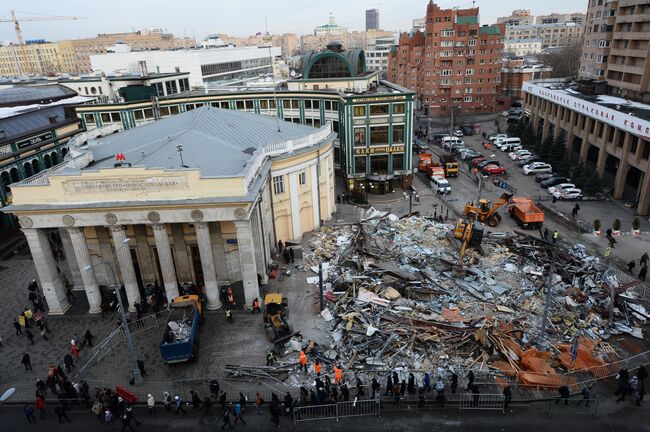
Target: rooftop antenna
[(179, 149), (267, 40)]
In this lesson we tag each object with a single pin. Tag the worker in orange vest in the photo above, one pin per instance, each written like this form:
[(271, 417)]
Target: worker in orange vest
[(338, 375), (302, 361), (317, 368)]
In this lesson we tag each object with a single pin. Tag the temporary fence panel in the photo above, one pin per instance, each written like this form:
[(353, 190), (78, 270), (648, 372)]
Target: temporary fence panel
[(471, 401), (314, 412), (560, 407), (358, 408)]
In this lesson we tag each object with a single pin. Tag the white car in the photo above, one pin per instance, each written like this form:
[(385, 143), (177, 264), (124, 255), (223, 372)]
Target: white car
[(519, 154), (570, 193), (509, 147), (458, 133), (537, 168), (440, 185), (497, 136), (560, 187)]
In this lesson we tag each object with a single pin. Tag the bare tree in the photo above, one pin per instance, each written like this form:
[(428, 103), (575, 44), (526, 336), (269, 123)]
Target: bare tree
[(565, 62)]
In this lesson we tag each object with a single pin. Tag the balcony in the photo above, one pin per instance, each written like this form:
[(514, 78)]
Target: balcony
[(627, 52), (630, 35), (633, 18), (624, 84), (636, 70)]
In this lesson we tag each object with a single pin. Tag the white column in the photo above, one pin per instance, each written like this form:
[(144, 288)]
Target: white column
[(327, 186), (295, 206), (207, 264), (123, 253), (247, 260), (87, 276), (53, 289), (74, 267), (315, 203), (166, 261), (259, 245)]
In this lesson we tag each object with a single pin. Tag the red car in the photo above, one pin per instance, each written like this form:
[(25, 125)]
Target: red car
[(493, 169), (477, 160)]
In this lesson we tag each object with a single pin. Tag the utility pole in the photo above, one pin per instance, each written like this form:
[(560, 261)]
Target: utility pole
[(320, 285), (549, 289)]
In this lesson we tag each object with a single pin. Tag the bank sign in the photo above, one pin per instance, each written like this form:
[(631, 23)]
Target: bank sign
[(34, 140), (625, 122)]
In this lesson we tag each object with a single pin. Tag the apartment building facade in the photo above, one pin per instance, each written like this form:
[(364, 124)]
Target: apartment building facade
[(551, 35), (454, 63)]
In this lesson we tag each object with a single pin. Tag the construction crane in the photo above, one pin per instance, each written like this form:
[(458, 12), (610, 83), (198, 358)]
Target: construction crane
[(19, 32)]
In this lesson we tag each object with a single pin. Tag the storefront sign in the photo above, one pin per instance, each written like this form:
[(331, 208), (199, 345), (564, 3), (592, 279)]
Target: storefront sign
[(126, 184), (618, 119), (34, 140), (380, 99), (375, 150)]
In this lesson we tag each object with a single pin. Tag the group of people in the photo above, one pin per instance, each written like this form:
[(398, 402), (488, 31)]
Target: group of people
[(287, 252), (631, 386)]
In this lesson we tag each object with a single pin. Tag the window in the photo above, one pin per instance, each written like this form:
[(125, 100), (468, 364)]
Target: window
[(360, 137), (398, 108), (360, 111), (89, 118), (603, 43), (447, 33), (171, 87), (379, 109), (302, 178), (398, 134), (468, 98), (469, 71), (278, 185), (398, 161), (379, 164), (360, 164), (379, 135)]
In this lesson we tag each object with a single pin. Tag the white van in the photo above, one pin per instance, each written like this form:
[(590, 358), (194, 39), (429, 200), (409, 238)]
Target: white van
[(447, 142), (440, 185), (508, 144)]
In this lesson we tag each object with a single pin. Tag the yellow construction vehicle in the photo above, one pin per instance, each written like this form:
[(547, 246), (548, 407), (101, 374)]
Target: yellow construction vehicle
[(486, 211), (470, 234), (276, 313)]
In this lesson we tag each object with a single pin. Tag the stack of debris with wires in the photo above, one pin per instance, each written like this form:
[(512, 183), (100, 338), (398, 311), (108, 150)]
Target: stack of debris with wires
[(394, 301)]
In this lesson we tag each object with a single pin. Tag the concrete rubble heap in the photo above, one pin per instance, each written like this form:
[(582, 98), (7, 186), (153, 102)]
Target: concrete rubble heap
[(393, 302)]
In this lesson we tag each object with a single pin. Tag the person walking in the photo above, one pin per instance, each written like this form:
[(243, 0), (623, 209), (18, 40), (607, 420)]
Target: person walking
[(196, 400), (454, 382), (43, 333), (29, 335), (389, 386), (228, 314), (19, 329), (440, 393), (259, 402), (61, 413), (270, 358), (98, 409), (643, 272), (338, 374), (470, 380), (564, 395), (167, 401), (556, 236), (29, 413), (302, 361), (75, 350), (68, 362), (151, 404), (179, 405), (226, 419), (291, 255), (222, 399), (644, 259), (630, 266), (286, 256), (507, 397), (545, 235), (274, 410), (374, 385), (39, 404), (256, 306), (318, 368), (214, 388), (238, 413), (280, 246), (126, 423), (574, 212), (140, 363), (26, 361), (586, 395), (88, 338)]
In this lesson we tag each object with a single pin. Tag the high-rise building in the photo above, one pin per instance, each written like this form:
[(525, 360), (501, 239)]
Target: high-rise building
[(617, 45), (349, 40), (329, 29), (372, 19), (377, 54), (455, 63), (73, 56), (518, 17), (555, 18), (552, 35)]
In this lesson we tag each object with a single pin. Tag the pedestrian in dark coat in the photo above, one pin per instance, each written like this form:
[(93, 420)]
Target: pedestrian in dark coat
[(141, 367), (19, 329), (470, 380), (88, 338), (196, 400), (286, 256), (61, 413), (226, 419), (291, 254), (644, 258), (29, 413), (642, 273), (214, 387), (630, 266), (29, 335), (375, 387), (68, 362), (26, 361), (454, 383), (126, 423)]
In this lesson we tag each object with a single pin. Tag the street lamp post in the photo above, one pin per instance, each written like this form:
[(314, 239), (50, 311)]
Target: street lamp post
[(137, 376)]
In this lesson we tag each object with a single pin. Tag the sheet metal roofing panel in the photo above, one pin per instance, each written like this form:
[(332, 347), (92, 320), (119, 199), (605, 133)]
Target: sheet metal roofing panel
[(33, 121), (218, 141), (16, 94)]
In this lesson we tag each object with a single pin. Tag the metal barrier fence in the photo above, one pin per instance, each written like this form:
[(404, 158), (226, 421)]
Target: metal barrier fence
[(581, 407), (338, 410), (471, 401)]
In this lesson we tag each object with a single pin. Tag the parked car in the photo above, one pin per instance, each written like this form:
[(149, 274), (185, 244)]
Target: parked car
[(480, 165), (543, 176), (508, 144), (458, 133), (467, 130), (477, 160), (497, 136), (469, 154), (437, 137), (536, 168), (554, 181), (527, 161), (519, 154), (570, 193), (560, 187), (493, 169)]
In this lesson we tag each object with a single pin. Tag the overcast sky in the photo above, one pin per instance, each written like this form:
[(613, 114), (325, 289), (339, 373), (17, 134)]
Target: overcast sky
[(241, 17)]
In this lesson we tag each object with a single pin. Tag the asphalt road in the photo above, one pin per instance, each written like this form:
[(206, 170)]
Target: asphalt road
[(630, 419)]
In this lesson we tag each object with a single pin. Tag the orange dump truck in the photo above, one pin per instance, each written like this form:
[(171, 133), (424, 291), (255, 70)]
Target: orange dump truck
[(430, 168), (526, 213)]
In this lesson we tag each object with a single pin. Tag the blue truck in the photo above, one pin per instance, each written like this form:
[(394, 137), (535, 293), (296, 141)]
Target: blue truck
[(180, 341)]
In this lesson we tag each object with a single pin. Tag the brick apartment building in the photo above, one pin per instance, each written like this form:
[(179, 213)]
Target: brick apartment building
[(455, 62)]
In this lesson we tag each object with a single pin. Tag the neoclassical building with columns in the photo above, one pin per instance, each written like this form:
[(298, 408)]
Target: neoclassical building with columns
[(201, 197)]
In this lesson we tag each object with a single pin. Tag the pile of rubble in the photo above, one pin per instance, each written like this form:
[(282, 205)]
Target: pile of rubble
[(393, 301)]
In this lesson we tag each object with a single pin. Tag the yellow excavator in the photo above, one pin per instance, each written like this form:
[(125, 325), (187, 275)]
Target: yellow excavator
[(470, 234), (276, 313), (486, 211)]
